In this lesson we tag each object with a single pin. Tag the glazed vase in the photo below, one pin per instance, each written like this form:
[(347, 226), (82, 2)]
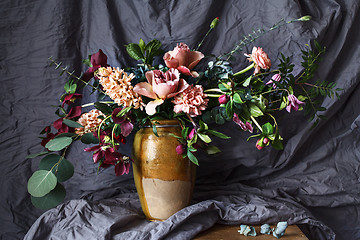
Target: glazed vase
[(164, 180)]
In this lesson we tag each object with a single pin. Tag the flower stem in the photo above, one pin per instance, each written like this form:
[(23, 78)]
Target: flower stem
[(202, 41), (244, 70), (91, 104), (256, 123)]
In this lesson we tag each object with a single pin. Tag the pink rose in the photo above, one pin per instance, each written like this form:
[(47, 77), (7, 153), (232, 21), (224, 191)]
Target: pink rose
[(160, 86), (260, 59), (183, 59)]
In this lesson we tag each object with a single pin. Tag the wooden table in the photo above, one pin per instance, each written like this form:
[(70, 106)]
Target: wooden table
[(226, 232)]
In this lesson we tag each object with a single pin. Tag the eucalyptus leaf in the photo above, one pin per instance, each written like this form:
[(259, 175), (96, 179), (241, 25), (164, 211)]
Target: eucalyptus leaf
[(58, 144), (41, 183), (72, 123), (64, 170), (67, 134), (89, 138), (36, 155), (50, 200)]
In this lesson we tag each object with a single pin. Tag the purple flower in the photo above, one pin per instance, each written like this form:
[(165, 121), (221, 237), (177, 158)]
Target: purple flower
[(276, 78), (244, 126), (293, 103)]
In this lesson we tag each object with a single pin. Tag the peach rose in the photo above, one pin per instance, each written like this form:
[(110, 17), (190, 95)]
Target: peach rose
[(183, 59), (260, 59)]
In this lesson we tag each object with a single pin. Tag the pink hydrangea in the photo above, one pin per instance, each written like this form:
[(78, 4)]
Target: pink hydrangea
[(191, 101)]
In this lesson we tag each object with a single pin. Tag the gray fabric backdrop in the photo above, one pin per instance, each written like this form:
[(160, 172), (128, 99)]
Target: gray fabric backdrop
[(313, 182)]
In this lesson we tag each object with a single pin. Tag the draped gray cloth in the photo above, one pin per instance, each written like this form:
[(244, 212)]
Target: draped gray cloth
[(313, 182)]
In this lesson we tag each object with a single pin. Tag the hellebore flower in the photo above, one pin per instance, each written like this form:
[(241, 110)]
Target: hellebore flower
[(121, 162), (260, 59), (223, 99), (160, 86), (293, 103), (63, 128), (183, 59), (244, 126), (276, 78), (97, 60), (125, 125), (70, 98), (191, 101)]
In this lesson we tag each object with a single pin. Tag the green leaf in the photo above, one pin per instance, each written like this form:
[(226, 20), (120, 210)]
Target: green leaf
[(72, 123), (192, 158), (203, 126), (277, 144), (155, 130), (224, 87), (50, 200), (153, 45), (63, 172), (204, 137), (67, 134), (36, 155), (212, 150), (73, 88), (58, 144), (41, 183), (123, 112), (89, 138), (142, 45), (219, 119), (218, 134), (237, 98), (247, 81), (267, 129), (104, 108), (255, 111), (134, 51), (229, 109)]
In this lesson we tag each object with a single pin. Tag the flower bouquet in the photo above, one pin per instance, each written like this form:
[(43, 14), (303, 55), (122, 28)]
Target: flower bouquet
[(141, 95)]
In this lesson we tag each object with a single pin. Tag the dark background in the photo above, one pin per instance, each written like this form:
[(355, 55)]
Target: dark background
[(313, 182)]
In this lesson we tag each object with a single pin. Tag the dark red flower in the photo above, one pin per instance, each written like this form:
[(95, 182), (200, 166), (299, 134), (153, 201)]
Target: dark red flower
[(125, 125), (98, 60), (63, 128), (49, 136), (70, 98)]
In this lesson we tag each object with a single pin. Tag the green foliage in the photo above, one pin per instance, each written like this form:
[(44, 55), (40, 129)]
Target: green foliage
[(51, 199), (62, 168), (144, 52), (59, 143), (41, 183)]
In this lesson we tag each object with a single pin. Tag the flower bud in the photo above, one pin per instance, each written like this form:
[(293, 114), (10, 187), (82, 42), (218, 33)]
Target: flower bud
[(214, 22), (266, 141), (305, 18), (259, 144), (191, 134), (180, 149), (223, 99)]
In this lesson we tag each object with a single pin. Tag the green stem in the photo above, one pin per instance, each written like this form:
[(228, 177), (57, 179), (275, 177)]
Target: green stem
[(244, 70), (214, 90), (90, 104), (202, 41), (99, 129), (214, 95), (256, 123)]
